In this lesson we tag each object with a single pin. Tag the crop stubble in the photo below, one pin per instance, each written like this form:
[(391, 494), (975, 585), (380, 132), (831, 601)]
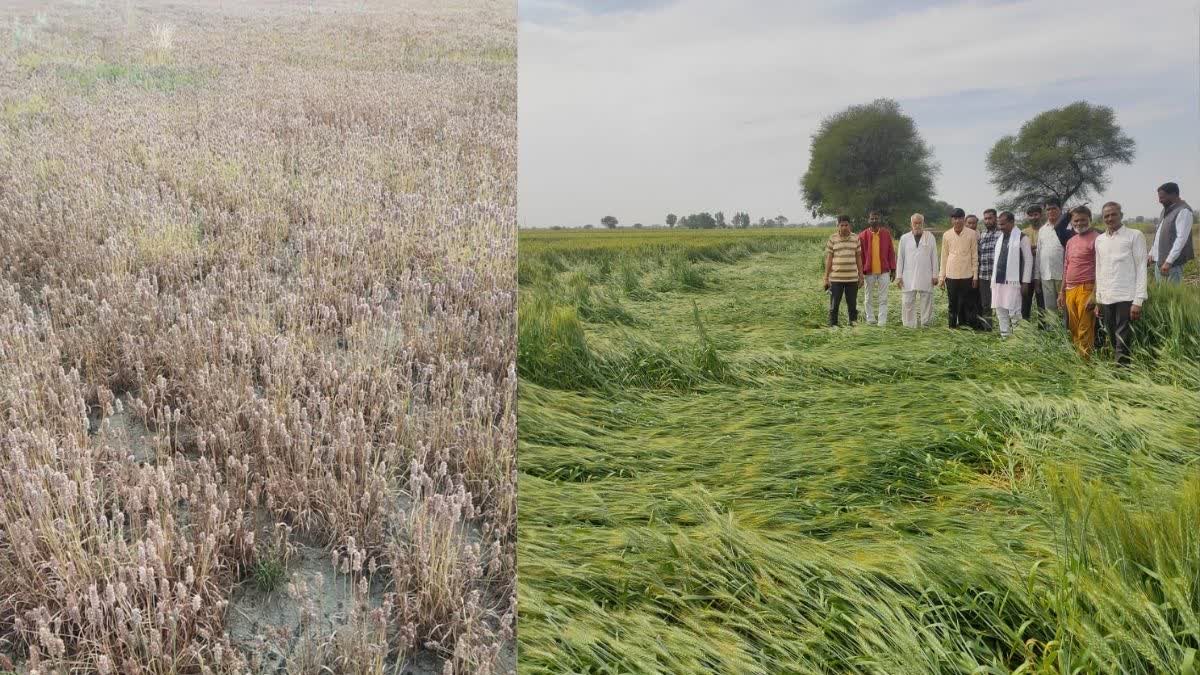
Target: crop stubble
[(257, 293)]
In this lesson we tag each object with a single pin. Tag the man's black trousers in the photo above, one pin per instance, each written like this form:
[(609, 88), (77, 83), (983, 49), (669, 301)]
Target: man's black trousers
[(962, 304), (837, 289), (1027, 298)]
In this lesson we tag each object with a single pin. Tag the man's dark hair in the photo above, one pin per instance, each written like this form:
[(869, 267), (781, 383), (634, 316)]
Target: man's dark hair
[(1033, 209), (874, 212), (957, 213), (972, 215), (1170, 188), (1007, 217), (1053, 201), (843, 219), (987, 211), (1082, 210)]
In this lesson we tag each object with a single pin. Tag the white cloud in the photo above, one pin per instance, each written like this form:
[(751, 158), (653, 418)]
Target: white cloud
[(707, 104)]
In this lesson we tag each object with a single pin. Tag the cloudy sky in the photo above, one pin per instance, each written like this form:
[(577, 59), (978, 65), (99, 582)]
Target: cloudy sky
[(637, 108)]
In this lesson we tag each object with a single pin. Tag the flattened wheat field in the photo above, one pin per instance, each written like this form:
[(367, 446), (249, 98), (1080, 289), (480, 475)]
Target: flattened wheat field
[(712, 480)]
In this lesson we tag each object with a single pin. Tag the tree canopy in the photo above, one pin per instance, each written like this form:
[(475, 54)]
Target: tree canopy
[(670, 220), (935, 211), (868, 156), (703, 221), (609, 222), (1063, 153)]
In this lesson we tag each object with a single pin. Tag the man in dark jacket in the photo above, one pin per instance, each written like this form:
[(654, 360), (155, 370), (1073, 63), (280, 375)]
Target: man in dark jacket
[(1061, 221)]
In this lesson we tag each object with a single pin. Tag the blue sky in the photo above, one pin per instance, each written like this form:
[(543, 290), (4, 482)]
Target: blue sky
[(635, 108)]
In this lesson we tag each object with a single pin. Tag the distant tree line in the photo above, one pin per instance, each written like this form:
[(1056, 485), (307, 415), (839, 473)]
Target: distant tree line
[(706, 221), (699, 221), (872, 157)]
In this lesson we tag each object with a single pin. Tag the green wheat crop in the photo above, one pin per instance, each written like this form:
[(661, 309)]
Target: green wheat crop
[(723, 484)]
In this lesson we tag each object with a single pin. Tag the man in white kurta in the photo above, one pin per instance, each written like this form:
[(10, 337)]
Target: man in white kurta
[(1120, 279), (916, 269), (1050, 263), (1012, 271)]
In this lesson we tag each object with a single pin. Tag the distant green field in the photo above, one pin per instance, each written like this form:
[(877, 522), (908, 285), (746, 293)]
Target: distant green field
[(713, 481), (627, 240)]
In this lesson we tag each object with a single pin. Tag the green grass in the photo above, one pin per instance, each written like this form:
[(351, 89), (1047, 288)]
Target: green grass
[(269, 574), (725, 485), (159, 78)]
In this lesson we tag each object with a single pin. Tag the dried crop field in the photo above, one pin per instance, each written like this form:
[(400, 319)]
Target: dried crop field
[(257, 336), (711, 480)]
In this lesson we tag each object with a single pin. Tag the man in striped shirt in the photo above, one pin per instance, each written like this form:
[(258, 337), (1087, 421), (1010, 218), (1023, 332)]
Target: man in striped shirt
[(843, 271), (987, 250)]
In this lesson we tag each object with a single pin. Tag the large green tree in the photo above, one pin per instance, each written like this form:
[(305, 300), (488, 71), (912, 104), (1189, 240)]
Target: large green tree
[(608, 221), (701, 221), (1064, 153), (936, 212), (866, 157), (671, 220)]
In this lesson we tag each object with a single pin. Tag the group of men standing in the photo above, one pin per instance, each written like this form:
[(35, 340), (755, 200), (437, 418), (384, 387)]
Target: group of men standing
[(1059, 262)]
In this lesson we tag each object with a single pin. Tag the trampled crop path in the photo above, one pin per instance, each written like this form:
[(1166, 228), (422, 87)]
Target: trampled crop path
[(711, 480)]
